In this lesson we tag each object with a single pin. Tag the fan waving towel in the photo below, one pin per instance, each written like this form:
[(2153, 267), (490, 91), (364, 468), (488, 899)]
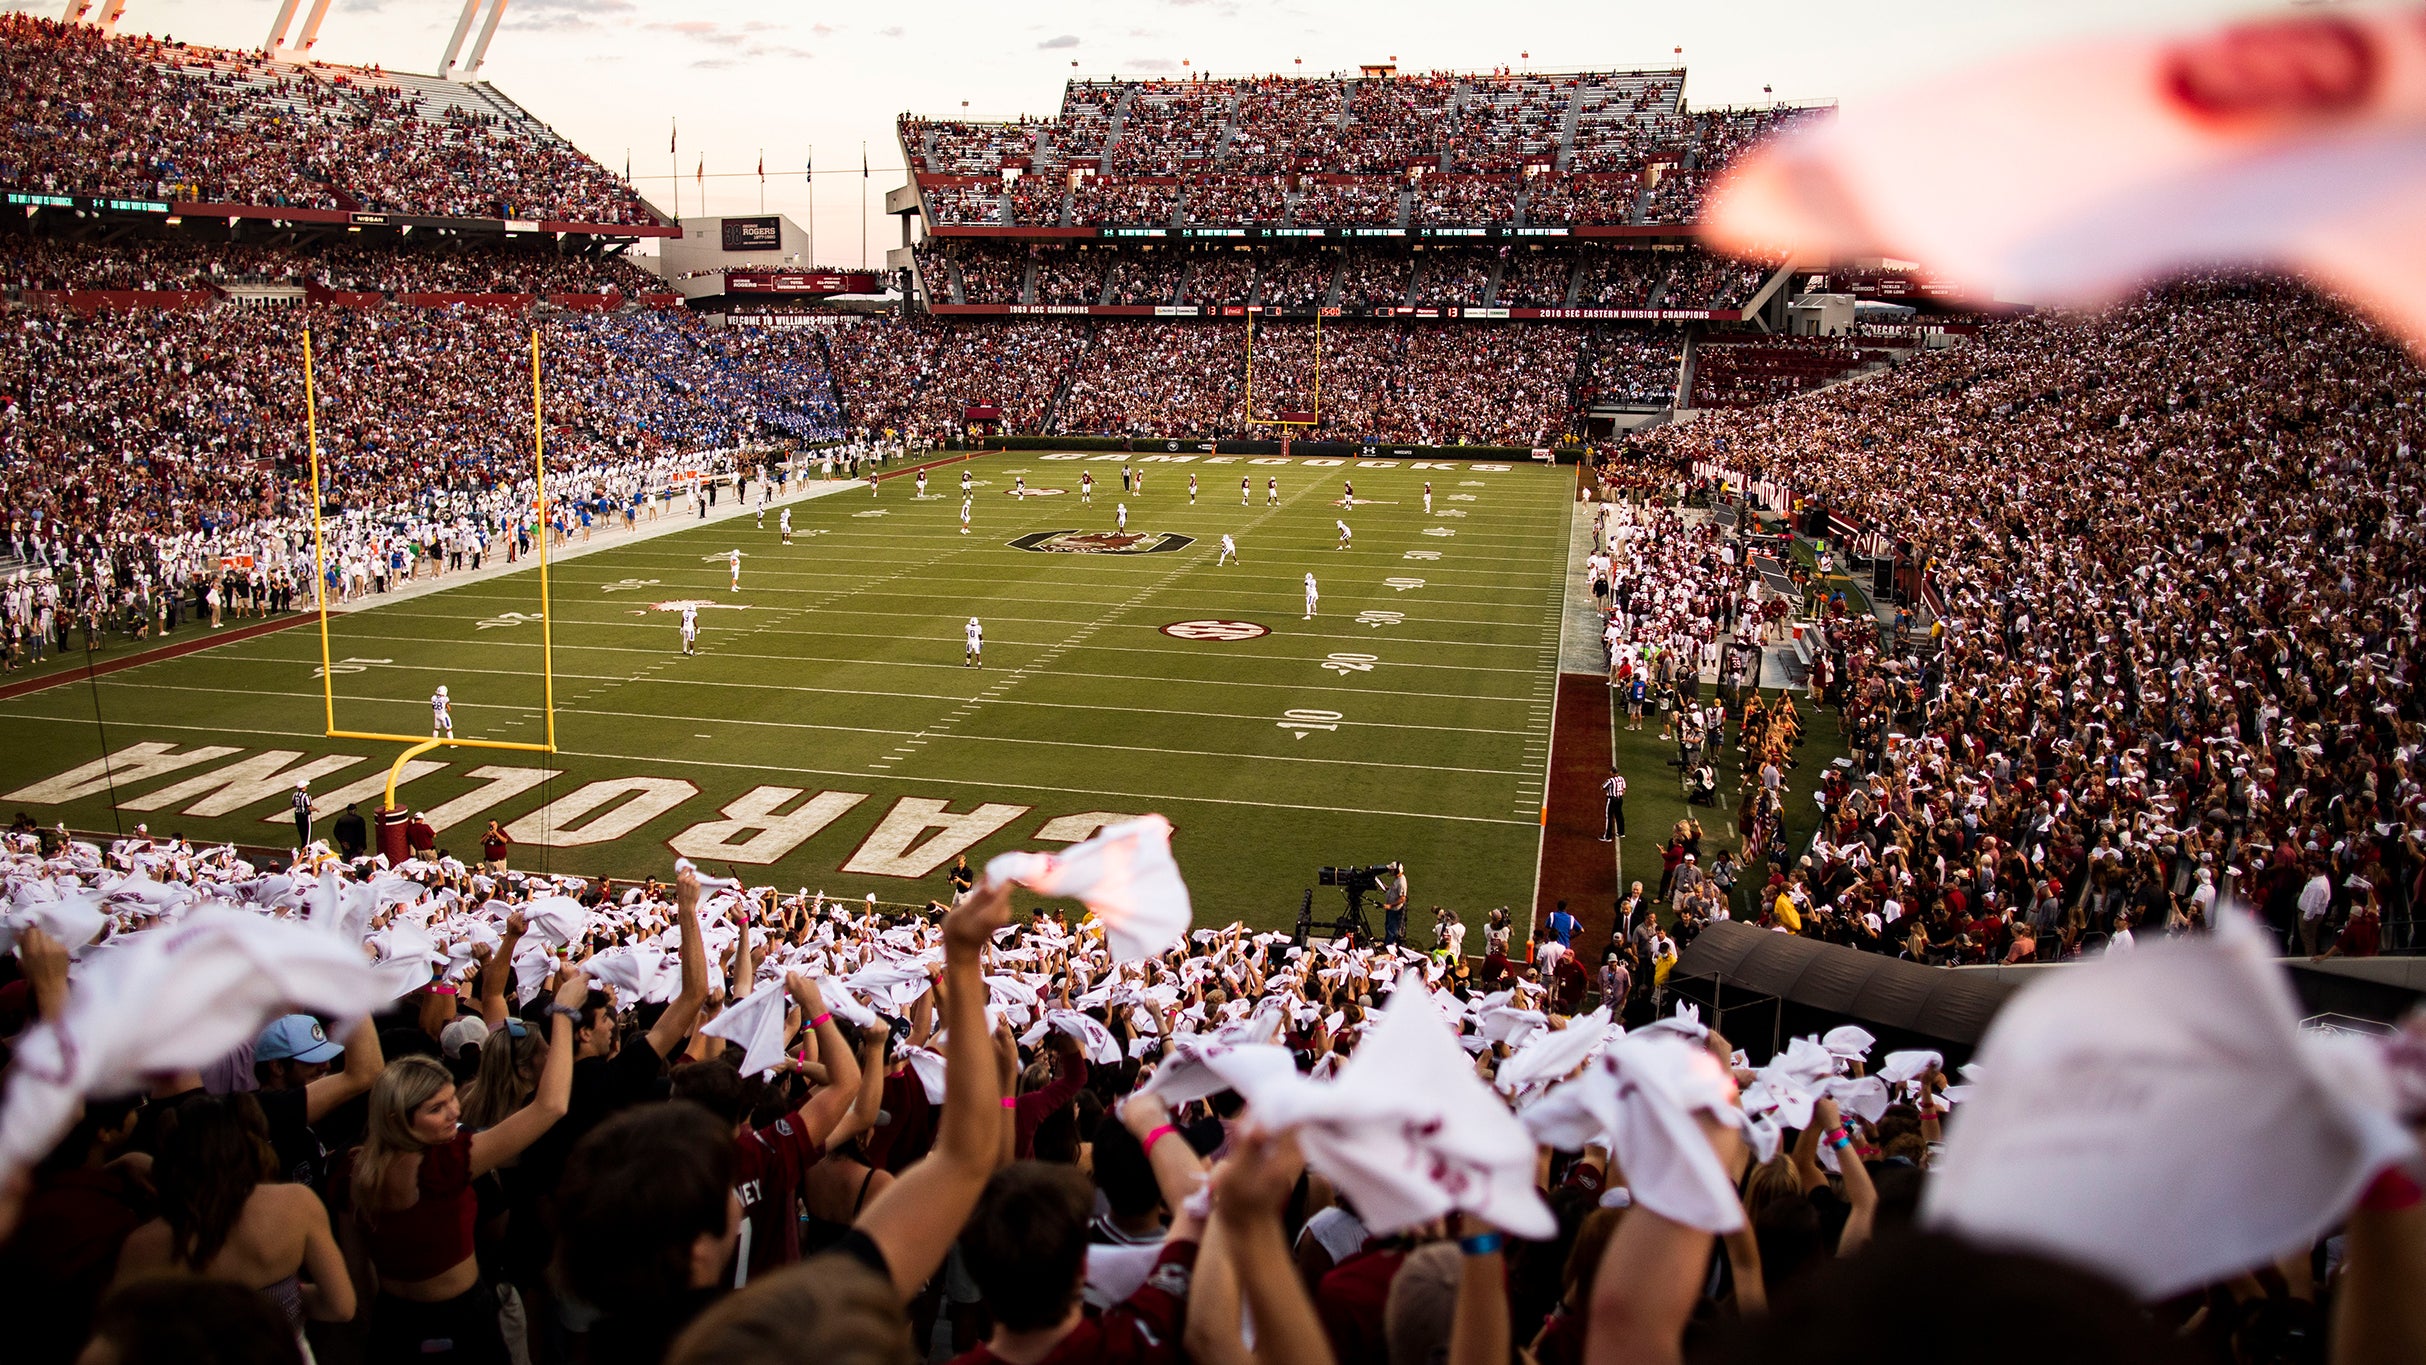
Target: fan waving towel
[(2069, 175), (174, 999), (2159, 1115), (1408, 1132), (1124, 876), (757, 1023)]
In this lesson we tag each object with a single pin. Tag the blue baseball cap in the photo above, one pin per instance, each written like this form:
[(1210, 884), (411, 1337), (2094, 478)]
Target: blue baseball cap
[(295, 1037)]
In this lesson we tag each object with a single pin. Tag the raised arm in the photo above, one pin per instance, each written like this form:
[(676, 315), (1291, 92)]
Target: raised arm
[(1478, 1335), (518, 1130), (916, 1219), (498, 970), (675, 1024), (870, 1100), (363, 1062), (2379, 1317), (1177, 1170), (823, 1114), (1249, 1189), (1650, 1278)]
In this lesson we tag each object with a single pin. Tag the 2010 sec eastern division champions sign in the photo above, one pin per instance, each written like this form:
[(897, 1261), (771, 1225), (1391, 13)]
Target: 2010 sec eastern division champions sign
[(1102, 542)]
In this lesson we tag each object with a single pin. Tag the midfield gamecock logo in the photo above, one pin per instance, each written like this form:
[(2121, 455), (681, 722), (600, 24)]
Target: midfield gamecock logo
[(1102, 542)]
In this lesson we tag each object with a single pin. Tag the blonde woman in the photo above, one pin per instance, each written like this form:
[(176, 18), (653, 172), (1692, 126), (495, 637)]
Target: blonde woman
[(413, 1192)]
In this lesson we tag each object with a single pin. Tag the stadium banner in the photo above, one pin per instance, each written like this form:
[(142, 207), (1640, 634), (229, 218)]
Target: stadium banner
[(119, 300), (320, 295), (1442, 313), (753, 234), (801, 281), (587, 303), (110, 205), (506, 302), (1679, 233)]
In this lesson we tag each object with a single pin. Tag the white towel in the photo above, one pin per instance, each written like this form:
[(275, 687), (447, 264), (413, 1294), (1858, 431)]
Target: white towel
[(1407, 1130), (174, 999), (1124, 876), (2069, 174), (757, 1024), (2159, 1115)]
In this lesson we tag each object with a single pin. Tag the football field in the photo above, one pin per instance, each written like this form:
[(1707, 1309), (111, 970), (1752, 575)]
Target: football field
[(829, 735)]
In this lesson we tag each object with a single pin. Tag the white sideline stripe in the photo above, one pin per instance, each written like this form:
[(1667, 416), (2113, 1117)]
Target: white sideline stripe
[(964, 783), (119, 681), (1399, 636)]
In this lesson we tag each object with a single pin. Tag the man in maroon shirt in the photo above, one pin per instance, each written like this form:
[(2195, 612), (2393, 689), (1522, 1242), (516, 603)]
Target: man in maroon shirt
[(769, 1163)]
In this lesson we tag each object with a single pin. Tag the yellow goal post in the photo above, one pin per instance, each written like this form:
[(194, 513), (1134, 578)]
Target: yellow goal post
[(416, 745)]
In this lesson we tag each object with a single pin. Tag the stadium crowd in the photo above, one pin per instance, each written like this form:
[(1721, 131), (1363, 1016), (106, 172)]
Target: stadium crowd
[(180, 263), (443, 1110), (157, 119), (2173, 659)]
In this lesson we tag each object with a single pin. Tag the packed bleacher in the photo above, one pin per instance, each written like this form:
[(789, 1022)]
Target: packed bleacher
[(1738, 373), (2128, 713), (1573, 149), (156, 119), (126, 426), (30, 263)]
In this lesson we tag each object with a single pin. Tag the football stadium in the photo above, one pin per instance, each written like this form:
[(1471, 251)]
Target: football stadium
[(1479, 710)]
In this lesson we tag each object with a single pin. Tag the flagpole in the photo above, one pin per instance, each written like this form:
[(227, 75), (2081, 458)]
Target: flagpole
[(809, 171), (673, 158), (863, 205), (762, 180)]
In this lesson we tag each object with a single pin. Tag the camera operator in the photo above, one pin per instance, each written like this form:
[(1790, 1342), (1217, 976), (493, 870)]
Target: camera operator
[(1394, 905)]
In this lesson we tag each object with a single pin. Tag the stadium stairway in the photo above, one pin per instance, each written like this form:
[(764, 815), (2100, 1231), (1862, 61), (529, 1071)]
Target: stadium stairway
[(1567, 125)]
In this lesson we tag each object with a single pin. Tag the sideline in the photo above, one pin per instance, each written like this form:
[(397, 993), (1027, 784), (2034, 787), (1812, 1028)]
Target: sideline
[(614, 538)]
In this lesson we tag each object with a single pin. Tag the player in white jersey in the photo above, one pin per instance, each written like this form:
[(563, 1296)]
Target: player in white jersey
[(1191, 490), (922, 483), (784, 523), (442, 715), (1344, 534), (690, 630), (1019, 487), (1312, 596), (733, 558), (1272, 491), (1229, 551), (1120, 517), (1139, 487), (1427, 497), (762, 514), (975, 657), (967, 505)]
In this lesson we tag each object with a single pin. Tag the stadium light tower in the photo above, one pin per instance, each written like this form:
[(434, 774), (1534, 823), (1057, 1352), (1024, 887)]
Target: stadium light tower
[(311, 26), (276, 42), (454, 42), (488, 31), (108, 22)]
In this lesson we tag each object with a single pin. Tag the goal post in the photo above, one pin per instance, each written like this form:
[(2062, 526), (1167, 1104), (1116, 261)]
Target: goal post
[(417, 745)]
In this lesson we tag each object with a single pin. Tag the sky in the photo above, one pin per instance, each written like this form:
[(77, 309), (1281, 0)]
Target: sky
[(742, 78)]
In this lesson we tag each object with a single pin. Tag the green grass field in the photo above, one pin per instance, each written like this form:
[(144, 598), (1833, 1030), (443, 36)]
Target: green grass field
[(828, 735)]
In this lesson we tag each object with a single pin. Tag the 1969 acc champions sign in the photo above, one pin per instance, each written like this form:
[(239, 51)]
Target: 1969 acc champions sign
[(1215, 630)]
